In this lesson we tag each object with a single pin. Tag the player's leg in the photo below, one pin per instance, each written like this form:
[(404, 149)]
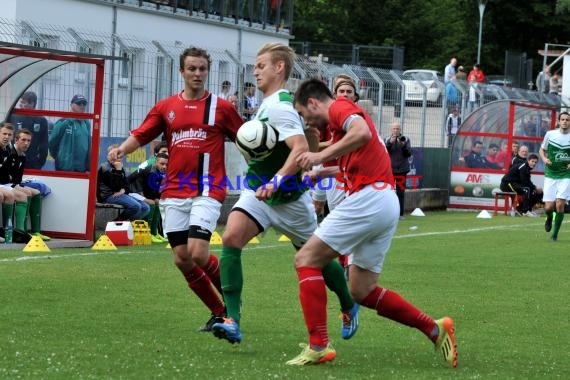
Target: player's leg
[(549, 198), (176, 226), (309, 261), (247, 219), (7, 205), (20, 208)]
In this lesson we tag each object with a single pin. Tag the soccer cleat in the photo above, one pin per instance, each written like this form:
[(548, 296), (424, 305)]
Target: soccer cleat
[(228, 330), (310, 356), (156, 239), (548, 223), (43, 237), (446, 340), (208, 326), (554, 239), (349, 322), (530, 214), (164, 240)]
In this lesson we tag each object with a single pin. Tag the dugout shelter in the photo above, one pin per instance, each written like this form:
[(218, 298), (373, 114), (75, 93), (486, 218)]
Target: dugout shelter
[(68, 212), (498, 124)]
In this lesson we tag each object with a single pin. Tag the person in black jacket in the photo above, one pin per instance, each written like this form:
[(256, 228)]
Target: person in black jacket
[(399, 149), (113, 188), (518, 180), (147, 182)]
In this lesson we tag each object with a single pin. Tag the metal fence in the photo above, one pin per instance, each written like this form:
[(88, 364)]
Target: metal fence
[(143, 71)]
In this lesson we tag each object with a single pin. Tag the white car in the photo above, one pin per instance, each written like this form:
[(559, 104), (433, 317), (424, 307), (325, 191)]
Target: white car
[(414, 91)]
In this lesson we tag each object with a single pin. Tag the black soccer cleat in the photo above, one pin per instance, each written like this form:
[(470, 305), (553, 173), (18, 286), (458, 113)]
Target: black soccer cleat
[(548, 224), (208, 326)]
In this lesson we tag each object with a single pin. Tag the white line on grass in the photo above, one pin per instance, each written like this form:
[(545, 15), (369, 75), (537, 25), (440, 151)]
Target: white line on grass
[(72, 255), (421, 234)]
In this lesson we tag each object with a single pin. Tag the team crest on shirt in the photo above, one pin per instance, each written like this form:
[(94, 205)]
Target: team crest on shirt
[(171, 116)]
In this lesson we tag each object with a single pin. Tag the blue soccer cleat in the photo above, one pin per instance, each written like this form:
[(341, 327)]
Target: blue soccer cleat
[(228, 330), (349, 322)]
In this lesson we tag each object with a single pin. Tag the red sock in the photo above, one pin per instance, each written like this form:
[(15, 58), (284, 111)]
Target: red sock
[(313, 296), (200, 284), (212, 269), (391, 305)]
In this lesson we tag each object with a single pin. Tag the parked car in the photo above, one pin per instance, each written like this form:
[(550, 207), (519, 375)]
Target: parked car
[(499, 80), (414, 91)]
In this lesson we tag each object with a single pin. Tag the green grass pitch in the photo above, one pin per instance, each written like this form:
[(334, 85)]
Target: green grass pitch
[(127, 314)]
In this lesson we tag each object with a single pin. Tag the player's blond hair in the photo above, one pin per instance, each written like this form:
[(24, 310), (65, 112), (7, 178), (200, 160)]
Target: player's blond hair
[(279, 52)]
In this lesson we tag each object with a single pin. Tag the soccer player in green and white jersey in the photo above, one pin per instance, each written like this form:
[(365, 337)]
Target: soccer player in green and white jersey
[(555, 153), (282, 202)]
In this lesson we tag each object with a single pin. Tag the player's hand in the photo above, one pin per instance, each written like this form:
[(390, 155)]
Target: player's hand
[(265, 192), (115, 154), (548, 162), (308, 159), (313, 175)]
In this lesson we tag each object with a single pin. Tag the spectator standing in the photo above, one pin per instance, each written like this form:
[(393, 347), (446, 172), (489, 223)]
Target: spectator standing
[(70, 140), (113, 188), (38, 125), (449, 71), (555, 84), (250, 101), (452, 125), (364, 224), (518, 180), (461, 74), (145, 184), (400, 150), (196, 144), (555, 152), (543, 80), (474, 78), (225, 92)]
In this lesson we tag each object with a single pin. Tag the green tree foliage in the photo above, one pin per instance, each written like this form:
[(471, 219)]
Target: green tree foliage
[(432, 31)]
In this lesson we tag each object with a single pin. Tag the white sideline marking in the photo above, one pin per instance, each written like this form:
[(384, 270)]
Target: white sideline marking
[(96, 253), (421, 234)]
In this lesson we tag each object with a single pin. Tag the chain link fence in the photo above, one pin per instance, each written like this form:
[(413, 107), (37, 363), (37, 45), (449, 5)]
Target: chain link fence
[(139, 72)]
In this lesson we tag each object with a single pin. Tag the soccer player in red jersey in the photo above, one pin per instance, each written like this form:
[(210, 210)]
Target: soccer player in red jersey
[(195, 123), (364, 224)]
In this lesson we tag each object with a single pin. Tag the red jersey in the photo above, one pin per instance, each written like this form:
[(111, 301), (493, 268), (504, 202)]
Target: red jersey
[(195, 131), (368, 164)]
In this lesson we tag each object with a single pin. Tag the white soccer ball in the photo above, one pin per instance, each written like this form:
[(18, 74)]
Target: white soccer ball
[(256, 139)]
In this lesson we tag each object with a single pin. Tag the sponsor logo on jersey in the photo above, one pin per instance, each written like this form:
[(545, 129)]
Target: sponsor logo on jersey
[(561, 157), (191, 134), (171, 116)]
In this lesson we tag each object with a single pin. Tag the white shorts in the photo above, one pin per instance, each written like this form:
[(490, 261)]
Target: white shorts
[(335, 193), (363, 224), (556, 189), (296, 220), (7, 186), (181, 213)]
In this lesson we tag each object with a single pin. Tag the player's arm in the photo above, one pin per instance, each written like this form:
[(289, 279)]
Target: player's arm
[(313, 136), (543, 156), (357, 135)]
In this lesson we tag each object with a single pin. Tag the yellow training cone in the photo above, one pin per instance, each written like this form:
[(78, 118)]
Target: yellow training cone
[(216, 239), (36, 244), (104, 244)]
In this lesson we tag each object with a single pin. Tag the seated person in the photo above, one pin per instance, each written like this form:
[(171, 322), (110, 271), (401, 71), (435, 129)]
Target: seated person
[(518, 180), (113, 188), (492, 155), (22, 142), (520, 156), (161, 147), (15, 201), (147, 183), (476, 160)]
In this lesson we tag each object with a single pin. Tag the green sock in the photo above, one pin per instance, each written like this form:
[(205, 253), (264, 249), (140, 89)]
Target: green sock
[(7, 213), (21, 208), (151, 220), (36, 212), (27, 213), (557, 223), (333, 273), (232, 280)]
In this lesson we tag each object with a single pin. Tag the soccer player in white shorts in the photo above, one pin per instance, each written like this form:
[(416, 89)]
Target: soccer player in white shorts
[(364, 224)]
